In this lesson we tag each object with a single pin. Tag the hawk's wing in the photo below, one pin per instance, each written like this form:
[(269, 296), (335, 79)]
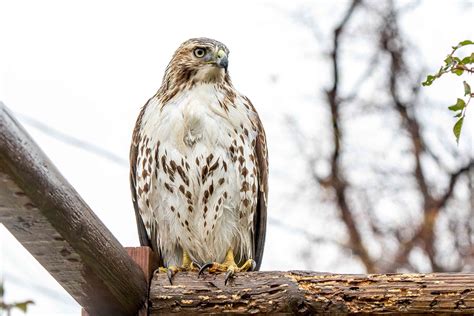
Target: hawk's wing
[(260, 217), (145, 239)]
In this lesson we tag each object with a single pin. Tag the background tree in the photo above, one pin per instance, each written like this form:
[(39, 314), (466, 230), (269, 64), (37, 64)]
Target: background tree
[(408, 205)]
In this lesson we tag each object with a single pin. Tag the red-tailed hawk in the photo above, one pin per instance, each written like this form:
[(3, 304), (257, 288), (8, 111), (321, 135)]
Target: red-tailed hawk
[(199, 167)]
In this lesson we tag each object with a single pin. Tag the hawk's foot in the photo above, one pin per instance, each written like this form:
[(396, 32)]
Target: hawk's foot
[(228, 266), (188, 265)]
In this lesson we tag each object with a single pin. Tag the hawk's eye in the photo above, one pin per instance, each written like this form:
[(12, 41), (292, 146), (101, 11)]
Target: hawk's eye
[(199, 52)]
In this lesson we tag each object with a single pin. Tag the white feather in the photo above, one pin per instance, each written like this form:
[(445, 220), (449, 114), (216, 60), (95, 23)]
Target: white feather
[(193, 126)]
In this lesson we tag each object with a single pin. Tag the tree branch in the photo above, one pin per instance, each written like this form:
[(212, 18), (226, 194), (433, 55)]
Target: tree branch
[(336, 178), (453, 178), (392, 44), (309, 293)]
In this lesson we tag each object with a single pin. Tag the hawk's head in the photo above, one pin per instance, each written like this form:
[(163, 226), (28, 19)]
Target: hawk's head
[(198, 60)]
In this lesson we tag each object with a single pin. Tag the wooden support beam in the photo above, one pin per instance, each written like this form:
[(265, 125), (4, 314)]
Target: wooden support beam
[(49, 218), (309, 293), (148, 262), (146, 259)]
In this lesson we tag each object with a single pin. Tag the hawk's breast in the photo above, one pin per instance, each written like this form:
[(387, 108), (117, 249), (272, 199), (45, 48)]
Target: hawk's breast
[(202, 176)]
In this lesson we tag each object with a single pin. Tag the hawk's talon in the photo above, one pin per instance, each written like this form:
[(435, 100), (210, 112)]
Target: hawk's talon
[(195, 266), (228, 275), (228, 266), (187, 265), (205, 267), (170, 273), (253, 266)]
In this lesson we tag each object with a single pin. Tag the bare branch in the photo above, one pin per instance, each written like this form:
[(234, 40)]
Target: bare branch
[(441, 202), (336, 179)]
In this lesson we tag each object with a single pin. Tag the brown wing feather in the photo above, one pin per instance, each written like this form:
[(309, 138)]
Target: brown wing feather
[(260, 217), (145, 239)]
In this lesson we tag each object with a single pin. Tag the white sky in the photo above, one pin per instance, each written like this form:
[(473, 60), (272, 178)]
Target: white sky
[(84, 68)]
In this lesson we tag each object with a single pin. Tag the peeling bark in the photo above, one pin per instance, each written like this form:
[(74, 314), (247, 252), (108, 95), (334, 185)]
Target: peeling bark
[(299, 292)]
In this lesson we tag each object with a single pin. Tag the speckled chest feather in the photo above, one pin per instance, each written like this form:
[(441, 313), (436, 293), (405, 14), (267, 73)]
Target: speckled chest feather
[(196, 173)]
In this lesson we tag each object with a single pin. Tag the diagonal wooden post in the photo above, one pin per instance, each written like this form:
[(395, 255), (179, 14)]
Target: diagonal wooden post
[(49, 218)]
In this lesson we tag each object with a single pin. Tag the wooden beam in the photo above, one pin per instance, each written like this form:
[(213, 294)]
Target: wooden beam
[(49, 218), (148, 262), (146, 259), (309, 293)]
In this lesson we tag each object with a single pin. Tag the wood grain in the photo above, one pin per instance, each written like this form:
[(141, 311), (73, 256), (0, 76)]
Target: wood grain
[(308, 293), (49, 218), (148, 262), (146, 259)]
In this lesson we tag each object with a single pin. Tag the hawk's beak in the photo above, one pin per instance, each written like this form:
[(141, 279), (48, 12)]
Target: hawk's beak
[(221, 59)]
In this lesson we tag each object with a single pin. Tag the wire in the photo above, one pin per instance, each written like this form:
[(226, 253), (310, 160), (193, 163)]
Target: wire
[(71, 140)]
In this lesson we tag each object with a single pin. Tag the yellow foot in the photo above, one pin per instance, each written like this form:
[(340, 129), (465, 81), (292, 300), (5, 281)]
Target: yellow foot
[(187, 265), (228, 266)]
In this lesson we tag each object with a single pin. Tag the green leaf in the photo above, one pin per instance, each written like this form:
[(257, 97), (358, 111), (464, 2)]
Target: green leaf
[(429, 80), (460, 105), (458, 115), (466, 60), (23, 306), (448, 60), (466, 42), (457, 129), (458, 71), (467, 88)]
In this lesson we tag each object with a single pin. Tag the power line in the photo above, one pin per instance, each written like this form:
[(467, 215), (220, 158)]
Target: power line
[(72, 141)]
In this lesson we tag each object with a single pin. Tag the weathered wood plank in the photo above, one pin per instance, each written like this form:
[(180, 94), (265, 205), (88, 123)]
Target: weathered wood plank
[(309, 293), (49, 218), (148, 262), (146, 259)]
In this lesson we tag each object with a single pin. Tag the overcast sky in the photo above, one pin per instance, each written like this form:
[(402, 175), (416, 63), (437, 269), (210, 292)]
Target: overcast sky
[(85, 68)]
